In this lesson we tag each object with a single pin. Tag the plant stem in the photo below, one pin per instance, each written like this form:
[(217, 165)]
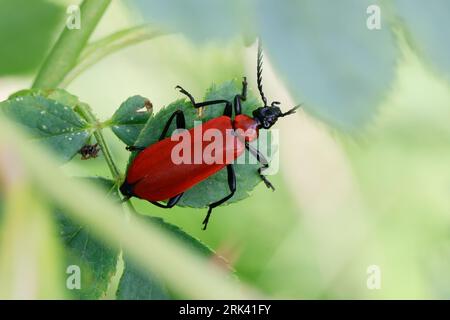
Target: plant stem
[(64, 55), (99, 49), (109, 160), (86, 111)]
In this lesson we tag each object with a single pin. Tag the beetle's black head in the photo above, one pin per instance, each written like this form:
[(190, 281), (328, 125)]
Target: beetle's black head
[(267, 116)]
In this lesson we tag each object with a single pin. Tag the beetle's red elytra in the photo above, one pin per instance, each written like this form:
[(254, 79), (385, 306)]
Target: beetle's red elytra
[(154, 175)]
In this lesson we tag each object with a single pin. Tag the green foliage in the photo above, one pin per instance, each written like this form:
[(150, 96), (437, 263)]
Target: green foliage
[(215, 187), (53, 122), (129, 120), (224, 19), (147, 244), (69, 45), (59, 95), (189, 240), (60, 120), (26, 30), (427, 26), (97, 260), (329, 59), (136, 284)]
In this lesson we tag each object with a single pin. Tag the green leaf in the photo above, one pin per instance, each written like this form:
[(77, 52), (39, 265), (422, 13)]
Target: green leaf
[(192, 242), (222, 19), (51, 120), (129, 120), (138, 285), (215, 187), (60, 95), (330, 61), (26, 30), (96, 260), (428, 25)]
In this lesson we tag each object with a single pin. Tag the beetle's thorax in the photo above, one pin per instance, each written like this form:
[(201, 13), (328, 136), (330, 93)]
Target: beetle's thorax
[(267, 116), (246, 126)]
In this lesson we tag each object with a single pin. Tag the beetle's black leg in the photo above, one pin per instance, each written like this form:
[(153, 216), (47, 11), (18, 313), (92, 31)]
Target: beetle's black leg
[(228, 111), (231, 185), (134, 148), (181, 123), (240, 97), (244, 89), (263, 161), (172, 202), (228, 107), (186, 93)]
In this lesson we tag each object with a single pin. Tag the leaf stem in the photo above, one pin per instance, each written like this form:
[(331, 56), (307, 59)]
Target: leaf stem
[(64, 55), (108, 157), (87, 113)]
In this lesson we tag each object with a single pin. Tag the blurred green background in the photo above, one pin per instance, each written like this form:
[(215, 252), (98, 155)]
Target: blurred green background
[(375, 194)]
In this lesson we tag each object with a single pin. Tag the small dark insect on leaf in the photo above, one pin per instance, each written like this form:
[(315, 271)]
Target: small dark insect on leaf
[(89, 151), (148, 107)]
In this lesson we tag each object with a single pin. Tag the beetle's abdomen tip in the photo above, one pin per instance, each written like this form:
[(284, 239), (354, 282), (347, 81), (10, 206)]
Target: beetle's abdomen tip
[(126, 189)]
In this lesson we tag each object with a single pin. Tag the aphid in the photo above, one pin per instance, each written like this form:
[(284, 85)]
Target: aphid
[(89, 151), (154, 176)]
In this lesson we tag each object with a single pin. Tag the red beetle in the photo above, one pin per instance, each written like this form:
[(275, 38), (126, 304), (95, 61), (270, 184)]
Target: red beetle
[(154, 176)]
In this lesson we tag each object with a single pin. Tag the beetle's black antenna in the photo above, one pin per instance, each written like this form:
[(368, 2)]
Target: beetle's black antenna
[(291, 111), (259, 73)]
